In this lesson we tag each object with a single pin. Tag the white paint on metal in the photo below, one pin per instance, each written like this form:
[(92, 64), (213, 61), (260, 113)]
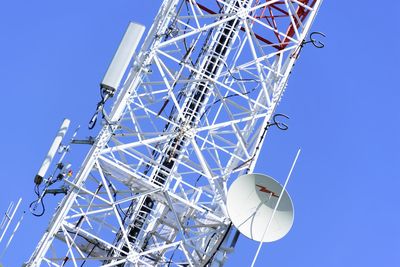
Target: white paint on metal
[(188, 217)]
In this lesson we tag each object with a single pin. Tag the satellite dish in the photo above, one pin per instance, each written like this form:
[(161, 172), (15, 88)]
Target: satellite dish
[(251, 201)]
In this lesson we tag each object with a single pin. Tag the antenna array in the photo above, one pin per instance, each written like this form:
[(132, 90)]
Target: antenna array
[(191, 116)]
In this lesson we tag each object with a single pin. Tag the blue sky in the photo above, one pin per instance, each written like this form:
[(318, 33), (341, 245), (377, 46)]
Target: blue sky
[(342, 101)]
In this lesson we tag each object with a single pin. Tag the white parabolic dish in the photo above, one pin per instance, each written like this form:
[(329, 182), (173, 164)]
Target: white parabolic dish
[(251, 201)]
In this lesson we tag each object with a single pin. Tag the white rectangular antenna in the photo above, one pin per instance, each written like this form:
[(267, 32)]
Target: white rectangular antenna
[(52, 151), (122, 57)]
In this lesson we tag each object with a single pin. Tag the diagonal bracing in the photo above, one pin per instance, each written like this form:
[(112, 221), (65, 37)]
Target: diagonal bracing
[(191, 115)]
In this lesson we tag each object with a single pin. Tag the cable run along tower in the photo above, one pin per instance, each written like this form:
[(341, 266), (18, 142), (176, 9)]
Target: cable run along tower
[(190, 117)]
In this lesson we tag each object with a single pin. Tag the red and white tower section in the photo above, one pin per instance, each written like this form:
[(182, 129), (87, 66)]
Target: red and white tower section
[(190, 117)]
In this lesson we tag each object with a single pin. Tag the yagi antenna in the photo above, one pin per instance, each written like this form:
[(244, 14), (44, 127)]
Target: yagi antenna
[(52, 151), (8, 217)]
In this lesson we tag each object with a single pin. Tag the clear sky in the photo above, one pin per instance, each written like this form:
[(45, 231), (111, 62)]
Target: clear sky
[(342, 101)]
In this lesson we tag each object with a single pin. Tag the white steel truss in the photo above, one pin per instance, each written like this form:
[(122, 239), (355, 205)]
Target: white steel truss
[(191, 115)]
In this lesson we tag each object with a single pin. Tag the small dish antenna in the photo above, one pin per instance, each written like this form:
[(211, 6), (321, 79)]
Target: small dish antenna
[(251, 201)]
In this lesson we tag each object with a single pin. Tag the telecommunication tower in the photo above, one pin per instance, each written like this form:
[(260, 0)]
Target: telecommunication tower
[(189, 117)]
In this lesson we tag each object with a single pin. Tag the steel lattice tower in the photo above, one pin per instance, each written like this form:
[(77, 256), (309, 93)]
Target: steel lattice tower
[(190, 117)]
